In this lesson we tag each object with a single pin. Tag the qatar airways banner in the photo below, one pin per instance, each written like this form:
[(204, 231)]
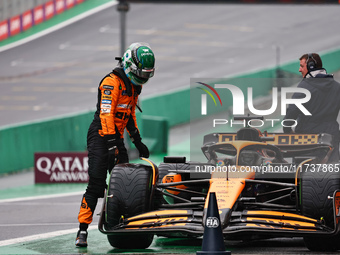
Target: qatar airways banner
[(61, 167)]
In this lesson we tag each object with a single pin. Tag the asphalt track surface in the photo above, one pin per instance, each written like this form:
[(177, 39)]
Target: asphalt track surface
[(58, 74)]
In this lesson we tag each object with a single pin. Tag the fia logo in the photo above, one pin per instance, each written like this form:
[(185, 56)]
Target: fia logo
[(212, 222)]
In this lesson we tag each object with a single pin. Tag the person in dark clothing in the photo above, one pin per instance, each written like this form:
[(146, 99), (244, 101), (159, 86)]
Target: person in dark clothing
[(117, 99), (324, 104)]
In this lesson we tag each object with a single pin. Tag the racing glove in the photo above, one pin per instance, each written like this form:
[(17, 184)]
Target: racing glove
[(141, 147), (116, 151)]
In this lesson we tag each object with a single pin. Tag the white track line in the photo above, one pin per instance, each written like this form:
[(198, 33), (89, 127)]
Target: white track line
[(41, 236), (37, 224), (58, 26), (41, 197)]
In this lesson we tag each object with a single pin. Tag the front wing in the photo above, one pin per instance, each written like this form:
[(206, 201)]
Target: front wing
[(190, 222)]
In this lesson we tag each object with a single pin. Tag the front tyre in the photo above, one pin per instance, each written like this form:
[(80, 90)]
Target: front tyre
[(315, 189), (128, 195)]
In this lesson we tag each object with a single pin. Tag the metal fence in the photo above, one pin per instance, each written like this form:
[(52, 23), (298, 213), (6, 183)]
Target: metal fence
[(10, 8)]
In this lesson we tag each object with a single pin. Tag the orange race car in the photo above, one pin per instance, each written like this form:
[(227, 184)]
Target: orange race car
[(266, 185)]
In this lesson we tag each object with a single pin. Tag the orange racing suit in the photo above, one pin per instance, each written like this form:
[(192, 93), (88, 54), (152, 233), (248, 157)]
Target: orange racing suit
[(117, 100), (115, 107)]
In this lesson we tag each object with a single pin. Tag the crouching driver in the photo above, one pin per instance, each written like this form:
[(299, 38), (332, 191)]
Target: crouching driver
[(117, 99)]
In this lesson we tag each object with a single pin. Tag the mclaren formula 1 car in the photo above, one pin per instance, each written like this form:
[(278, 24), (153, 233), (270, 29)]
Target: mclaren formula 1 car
[(267, 185)]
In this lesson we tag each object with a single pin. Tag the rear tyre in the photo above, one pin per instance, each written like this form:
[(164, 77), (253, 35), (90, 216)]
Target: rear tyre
[(315, 189), (129, 194)]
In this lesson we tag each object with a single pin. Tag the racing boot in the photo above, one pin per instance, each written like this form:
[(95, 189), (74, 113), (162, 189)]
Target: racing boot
[(85, 218), (81, 240)]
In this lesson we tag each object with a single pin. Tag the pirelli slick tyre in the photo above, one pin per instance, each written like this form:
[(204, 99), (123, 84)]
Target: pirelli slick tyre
[(316, 186), (129, 194)]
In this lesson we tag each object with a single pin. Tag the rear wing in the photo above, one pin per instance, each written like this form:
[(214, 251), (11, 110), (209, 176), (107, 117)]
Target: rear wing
[(290, 144)]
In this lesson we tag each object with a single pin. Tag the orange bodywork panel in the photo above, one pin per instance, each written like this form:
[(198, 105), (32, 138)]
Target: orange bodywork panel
[(295, 228), (166, 218), (279, 214), (227, 191), (228, 186), (172, 177), (162, 213)]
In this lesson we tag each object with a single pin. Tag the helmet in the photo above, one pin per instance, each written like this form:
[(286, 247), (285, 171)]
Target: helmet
[(138, 62)]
